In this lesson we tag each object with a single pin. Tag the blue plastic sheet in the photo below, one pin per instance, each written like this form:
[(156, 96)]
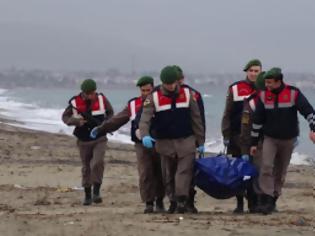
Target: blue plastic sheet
[(223, 177)]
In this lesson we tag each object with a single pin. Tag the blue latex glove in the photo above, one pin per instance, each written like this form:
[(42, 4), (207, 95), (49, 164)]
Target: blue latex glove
[(94, 132), (201, 149), (147, 141), (245, 157), (226, 142)]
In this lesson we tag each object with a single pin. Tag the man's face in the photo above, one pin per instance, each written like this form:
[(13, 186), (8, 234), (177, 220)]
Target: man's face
[(89, 96), (170, 87), (272, 84), (145, 90), (253, 72)]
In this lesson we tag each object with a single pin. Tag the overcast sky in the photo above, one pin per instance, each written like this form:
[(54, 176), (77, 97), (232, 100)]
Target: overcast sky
[(199, 35)]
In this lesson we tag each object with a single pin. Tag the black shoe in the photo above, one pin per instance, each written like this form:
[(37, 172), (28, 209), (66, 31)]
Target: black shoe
[(240, 205), (181, 208), (97, 199), (148, 208), (88, 199), (252, 203), (96, 193), (181, 205), (159, 206), (268, 205), (172, 207), (190, 207), (251, 198)]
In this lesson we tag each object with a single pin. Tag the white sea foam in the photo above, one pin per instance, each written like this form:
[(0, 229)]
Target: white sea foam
[(47, 119)]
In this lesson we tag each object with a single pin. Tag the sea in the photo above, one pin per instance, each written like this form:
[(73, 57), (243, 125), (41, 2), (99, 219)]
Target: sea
[(41, 109)]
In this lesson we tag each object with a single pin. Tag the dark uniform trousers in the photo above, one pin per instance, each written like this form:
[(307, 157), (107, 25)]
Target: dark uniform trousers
[(150, 173), (276, 156), (92, 156), (177, 156), (234, 147), (256, 161)]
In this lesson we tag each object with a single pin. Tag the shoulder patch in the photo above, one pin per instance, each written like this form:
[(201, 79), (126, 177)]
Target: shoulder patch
[(245, 118)]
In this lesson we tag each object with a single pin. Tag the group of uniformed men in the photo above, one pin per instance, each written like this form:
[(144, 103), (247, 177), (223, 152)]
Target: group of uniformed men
[(168, 127)]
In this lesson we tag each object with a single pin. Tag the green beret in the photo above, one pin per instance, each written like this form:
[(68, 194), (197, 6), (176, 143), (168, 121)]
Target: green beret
[(144, 80), (88, 86), (180, 72), (254, 62), (274, 73), (169, 75), (260, 81)]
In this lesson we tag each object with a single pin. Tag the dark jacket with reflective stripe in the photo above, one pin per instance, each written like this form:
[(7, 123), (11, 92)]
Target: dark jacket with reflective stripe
[(93, 112), (198, 97), (172, 117), (246, 122), (276, 113), (231, 120)]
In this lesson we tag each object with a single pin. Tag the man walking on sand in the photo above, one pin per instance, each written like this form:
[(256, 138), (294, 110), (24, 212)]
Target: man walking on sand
[(178, 127), (148, 160), (276, 118), (87, 110)]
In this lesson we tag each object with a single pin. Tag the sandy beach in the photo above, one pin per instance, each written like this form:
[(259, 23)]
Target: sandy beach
[(40, 194)]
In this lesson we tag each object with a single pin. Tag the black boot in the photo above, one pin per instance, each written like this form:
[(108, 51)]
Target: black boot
[(240, 205), (172, 207), (181, 205), (96, 193), (159, 206), (260, 202), (268, 205), (190, 205), (148, 208), (88, 196), (252, 204), (251, 200)]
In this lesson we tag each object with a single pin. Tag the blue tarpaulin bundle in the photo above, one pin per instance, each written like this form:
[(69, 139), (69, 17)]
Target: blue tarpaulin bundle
[(223, 177)]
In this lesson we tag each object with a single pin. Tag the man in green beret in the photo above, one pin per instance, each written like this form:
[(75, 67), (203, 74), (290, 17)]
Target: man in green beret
[(85, 111), (178, 127), (231, 120), (149, 163), (275, 117), (198, 98), (245, 142)]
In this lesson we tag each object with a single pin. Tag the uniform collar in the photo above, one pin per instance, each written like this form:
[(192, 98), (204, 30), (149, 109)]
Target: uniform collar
[(168, 93), (252, 84), (278, 90)]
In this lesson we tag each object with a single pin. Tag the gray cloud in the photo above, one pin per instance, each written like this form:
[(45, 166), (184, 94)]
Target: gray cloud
[(202, 36)]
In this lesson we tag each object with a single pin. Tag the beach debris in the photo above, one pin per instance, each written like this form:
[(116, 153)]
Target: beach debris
[(42, 202), (64, 189), (69, 189), (69, 223), (18, 186), (300, 221), (35, 147), (78, 188)]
